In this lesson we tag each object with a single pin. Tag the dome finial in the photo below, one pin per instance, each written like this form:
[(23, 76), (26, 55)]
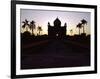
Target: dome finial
[(57, 22), (48, 23)]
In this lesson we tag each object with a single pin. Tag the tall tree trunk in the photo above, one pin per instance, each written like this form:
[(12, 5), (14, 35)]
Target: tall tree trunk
[(83, 29), (79, 31), (32, 32), (66, 30), (26, 28), (39, 32)]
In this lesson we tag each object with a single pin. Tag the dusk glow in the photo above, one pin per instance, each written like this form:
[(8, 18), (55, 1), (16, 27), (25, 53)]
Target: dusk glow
[(42, 17)]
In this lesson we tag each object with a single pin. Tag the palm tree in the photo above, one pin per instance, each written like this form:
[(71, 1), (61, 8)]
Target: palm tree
[(25, 24), (32, 26), (39, 28), (71, 31), (83, 24), (79, 25)]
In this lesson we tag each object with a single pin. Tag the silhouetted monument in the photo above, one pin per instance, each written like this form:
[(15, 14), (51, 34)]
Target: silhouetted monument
[(57, 30)]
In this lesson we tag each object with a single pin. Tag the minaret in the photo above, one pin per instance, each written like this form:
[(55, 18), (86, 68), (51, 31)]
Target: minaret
[(48, 23), (48, 28), (65, 25)]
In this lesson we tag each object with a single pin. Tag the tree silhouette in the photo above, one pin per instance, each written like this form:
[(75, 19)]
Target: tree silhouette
[(71, 31), (79, 25), (25, 24), (83, 24), (32, 26), (39, 28)]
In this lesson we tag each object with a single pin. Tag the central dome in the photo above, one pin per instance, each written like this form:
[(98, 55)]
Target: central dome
[(57, 22)]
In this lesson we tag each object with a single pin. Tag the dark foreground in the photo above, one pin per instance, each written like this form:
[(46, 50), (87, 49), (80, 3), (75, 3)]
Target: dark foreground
[(54, 53)]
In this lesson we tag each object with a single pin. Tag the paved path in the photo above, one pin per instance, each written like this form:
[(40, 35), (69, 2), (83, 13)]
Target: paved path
[(56, 53)]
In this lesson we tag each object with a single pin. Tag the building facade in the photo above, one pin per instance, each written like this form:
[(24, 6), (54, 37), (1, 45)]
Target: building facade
[(57, 30)]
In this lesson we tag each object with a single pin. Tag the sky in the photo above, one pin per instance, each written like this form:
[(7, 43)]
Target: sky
[(42, 17)]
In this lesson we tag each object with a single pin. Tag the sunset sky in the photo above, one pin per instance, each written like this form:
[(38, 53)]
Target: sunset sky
[(42, 17)]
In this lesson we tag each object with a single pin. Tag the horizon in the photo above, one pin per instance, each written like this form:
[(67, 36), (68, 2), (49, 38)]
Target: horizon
[(42, 17)]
